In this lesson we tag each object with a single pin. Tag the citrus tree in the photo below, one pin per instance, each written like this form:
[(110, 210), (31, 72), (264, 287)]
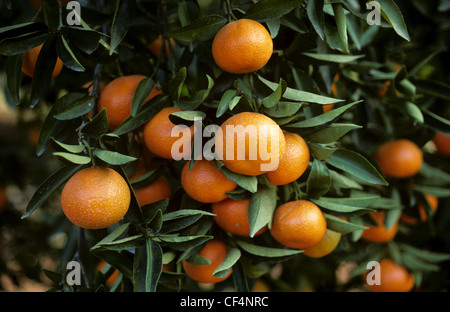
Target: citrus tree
[(132, 99)]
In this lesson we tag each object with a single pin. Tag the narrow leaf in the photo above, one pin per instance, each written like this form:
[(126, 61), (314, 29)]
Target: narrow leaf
[(123, 17)]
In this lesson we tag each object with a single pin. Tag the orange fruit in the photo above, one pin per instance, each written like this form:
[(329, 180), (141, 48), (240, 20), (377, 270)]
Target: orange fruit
[(393, 278), (205, 183), (158, 138), (112, 278), (298, 224), (442, 142), (326, 108), (250, 143), (294, 161), (95, 198), (155, 46), (30, 58), (232, 216), (325, 246), (215, 251), (158, 190), (260, 286), (117, 97), (379, 233), (400, 158), (242, 46)]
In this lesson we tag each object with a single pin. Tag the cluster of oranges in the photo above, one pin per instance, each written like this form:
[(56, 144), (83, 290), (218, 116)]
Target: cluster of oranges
[(99, 197)]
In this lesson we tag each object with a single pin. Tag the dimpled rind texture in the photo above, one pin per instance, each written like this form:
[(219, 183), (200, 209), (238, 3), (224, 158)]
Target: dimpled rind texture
[(242, 46), (228, 151), (298, 224), (95, 198)]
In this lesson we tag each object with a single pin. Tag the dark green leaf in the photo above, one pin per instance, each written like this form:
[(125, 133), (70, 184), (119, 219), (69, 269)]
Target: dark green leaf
[(332, 133), (22, 44), (341, 226), (48, 187), (319, 180), (266, 252), (266, 10), (261, 207), (123, 17), (315, 13), (225, 101), (77, 108), (13, 70), (143, 90), (67, 56), (181, 243), (43, 71), (113, 158), (97, 126), (250, 183), (84, 39), (341, 22), (147, 267), (175, 85), (394, 17), (355, 164), (233, 255), (201, 29), (275, 97)]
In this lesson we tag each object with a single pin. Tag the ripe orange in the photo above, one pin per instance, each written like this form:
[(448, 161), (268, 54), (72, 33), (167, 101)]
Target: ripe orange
[(379, 233), (155, 46), (117, 97), (232, 216), (158, 138), (156, 191), (250, 143), (393, 278), (95, 198), (298, 224), (30, 58), (400, 158), (205, 183), (326, 245), (294, 161), (442, 142), (215, 251), (242, 46)]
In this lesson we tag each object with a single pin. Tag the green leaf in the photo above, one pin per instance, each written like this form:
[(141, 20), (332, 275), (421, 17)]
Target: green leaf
[(13, 69), (358, 166), (267, 252), (341, 226), (97, 126), (333, 58), (74, 159), (145, 114), (24, 43), (76, 149), (192, 102), (314, 9), (225, 101), (261, 207), (300, 96), (43, 71), (181, 243), (84, 39), (126, 243), (266, 10), (123, 17), (341, 205), (275, 97), (52, 126), (332, 133), (48, 187), (282, 109), (143, 90), (77, 108), (394, 17), (426, 255), (180, 117), (319, 180), (175, 85), (439, 191), (67, 56), (321, 151), (341, 22), (181, 219), (434, 88), (323, 119), (250, 183), (233, 255), (113, 158), (22, 29), (201, 29), (147, 267)]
